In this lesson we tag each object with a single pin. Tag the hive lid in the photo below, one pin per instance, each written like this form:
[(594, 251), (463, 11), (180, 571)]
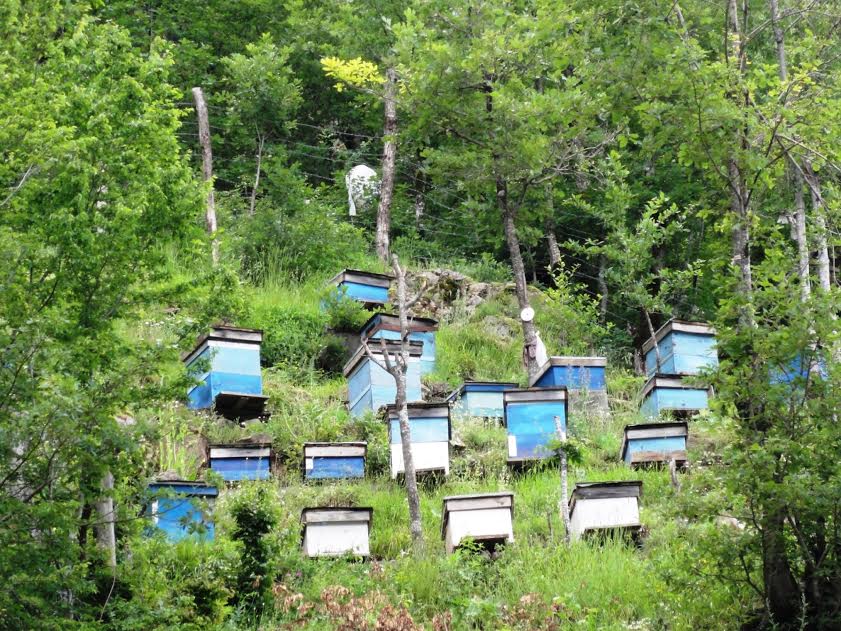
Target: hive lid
[(391, 322), (474, 501), (195, 487), (565, 361), (392, 346), (419, 409), (362, 277), (604, 490), (669, 428), (336, 514), (503, 385), (680, 326)]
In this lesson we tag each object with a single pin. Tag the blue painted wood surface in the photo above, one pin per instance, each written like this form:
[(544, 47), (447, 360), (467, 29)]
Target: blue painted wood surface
[(238, 469), (683, 353), (427, 360), (184, 512), (532, 425), (336, 467), (667, 445), (574, 377), (480, 399), (226, 369), (423, 430), (370, 387), (670, 399), (364, 293)]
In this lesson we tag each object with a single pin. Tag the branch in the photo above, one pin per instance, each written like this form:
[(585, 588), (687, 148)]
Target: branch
[(32, 169), (370, 356)]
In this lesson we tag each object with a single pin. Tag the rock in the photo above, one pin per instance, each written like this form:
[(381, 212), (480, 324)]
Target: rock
[(448, 291), (500, 327)]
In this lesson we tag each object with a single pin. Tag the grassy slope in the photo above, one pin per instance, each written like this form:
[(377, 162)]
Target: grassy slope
[(535, 583)]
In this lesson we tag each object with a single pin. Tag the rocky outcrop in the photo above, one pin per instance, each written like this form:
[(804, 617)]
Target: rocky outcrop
[(448, 292)]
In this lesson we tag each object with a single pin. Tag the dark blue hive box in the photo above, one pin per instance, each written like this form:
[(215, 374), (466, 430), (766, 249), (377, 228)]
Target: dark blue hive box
[(241, 461), (334, 461), (387, 326), (583, 377), (181, 509), (529, 416)]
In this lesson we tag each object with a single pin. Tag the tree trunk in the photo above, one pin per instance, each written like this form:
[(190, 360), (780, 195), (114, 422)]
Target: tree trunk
[(207, 169), (549, 228), (800, 238), (529, 337), (260, 141), (420, 200), (602, 285), (564, 504), (105, 535), (389, 158), (657, 357), (818, 211), (782, 594)]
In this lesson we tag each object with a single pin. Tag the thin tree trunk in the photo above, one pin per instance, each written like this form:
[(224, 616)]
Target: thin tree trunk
[(260, 141), (657, 357), (564, 505), (602, 286), (420, 200), (549, 228), (207, 169), (820, 227), (389, 158), (105, 535), (800, 238), (779, 40)]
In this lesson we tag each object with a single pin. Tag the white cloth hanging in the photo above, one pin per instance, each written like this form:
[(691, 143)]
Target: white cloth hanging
[(362, 184)]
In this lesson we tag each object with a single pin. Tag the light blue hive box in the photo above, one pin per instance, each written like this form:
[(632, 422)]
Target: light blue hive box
[(686, 348), (674, 395), (334, 461), (584, 379), (226, 363), (387, 325), (482, 399), (655, 443), (369, 288), (529, 417), (182, 509), (370, 386)]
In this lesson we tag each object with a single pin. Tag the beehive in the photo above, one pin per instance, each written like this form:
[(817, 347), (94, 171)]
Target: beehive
[(584, 379), (485, 518), (655, 443), (370, 386), (181, 508), (369, 288), (429, 426), (686, 348), (334, 461), (674, 395), (480, 398), (529, 416), (241, 461), (331, 532), (604, 506), (386, 325), (226, 364)]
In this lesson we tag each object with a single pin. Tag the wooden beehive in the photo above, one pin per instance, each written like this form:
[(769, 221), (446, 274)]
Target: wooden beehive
[(226, 363), (485, 518), (480, 398), (584, 379), (241, 461), (655, 443), (604, 507), (686, 348), (182, 508), (387, 325), (331, 532), (529, 416), (370, 386), (369, 288), (429, 425), (334, 461), (674, 395)]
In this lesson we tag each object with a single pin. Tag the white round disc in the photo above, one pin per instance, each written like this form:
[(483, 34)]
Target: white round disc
[(527, 314)]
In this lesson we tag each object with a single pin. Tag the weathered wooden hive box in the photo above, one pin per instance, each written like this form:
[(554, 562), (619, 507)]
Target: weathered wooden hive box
[(386, 325), (480, 398), (334, 461), (226, 362), (369, 288), (604, 506), (529, 416), (331, 532), (370, 386), (429, 425), (686, 348), (182, 508), (584, 379), (674, 395), (241, 461), (485, 518), (656, 443)]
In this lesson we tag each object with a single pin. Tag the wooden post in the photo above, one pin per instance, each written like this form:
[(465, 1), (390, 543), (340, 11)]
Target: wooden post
[(105, 535), (673, 474), (564, 505), (207, 169)]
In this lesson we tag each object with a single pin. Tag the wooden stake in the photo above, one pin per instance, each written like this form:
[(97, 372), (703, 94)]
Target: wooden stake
[(564, 505)]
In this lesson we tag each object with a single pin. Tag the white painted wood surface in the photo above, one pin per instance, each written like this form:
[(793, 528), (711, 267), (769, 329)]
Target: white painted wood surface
[(240, 452), (493, 523), (336, 538), (609, 512), (426, 456)]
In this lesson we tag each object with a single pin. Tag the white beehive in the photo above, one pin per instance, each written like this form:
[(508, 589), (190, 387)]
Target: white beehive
[(486, 518), (336, 531), (604, 506)]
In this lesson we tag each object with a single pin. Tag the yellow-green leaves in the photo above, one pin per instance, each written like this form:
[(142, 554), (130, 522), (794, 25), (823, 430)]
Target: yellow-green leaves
[(353, 72)]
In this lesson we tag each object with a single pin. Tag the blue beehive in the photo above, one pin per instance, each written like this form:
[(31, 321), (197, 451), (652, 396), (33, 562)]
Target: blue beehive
[(655, 443), (369, 288), (430, 430), (226, 363), (529, 416), (182, 508), (584, 379), (386, 325), (671, 393), (334, 461), (686, 348), (370, 386), (480, 398), (241, 461)]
